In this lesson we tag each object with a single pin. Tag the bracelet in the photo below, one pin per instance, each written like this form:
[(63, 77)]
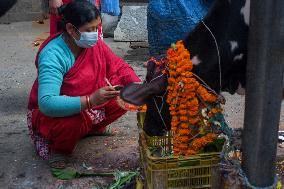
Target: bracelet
[(88, 102)]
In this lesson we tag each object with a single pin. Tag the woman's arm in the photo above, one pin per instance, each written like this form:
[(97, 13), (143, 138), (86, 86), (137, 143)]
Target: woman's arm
[(50, 76), (51, 72)]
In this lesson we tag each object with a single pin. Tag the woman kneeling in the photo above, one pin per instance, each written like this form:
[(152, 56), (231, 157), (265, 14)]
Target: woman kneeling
[(70, 97)]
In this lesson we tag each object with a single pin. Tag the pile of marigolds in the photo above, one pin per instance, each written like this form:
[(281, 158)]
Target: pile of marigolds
[(191, 105)]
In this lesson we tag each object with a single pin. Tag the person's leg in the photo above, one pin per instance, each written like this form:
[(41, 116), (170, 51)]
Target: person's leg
[(112, 113), (53, 24), (54, 19), (62, 133)]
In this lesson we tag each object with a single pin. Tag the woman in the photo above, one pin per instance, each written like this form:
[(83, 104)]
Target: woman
[(70, 97)]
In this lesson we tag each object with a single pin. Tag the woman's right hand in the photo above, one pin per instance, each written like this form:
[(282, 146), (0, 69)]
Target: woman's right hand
[(54, 5), (103, 95)]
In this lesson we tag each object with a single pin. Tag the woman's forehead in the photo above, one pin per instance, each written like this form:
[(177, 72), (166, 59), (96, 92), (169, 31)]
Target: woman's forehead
[(92, 24)]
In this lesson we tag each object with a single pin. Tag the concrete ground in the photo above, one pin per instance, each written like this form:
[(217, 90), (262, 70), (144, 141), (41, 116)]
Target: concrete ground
[(20, 168)]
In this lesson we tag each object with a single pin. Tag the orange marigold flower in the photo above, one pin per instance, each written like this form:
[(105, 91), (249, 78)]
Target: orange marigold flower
[(174, 123), (184, 125), (183, 118), (211, 136), (171, 80), (184, 139), (170, 53), (179, 70), (175, 118), (188, 74), (182, 112), (183, 146), (183, 101), (184, 132), (185, 55), (173, 113), (193, 113), (182, 106), (193, 108), (193, 121)]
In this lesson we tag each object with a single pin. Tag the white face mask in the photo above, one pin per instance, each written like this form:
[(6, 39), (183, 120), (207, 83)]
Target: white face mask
[(87, 39)]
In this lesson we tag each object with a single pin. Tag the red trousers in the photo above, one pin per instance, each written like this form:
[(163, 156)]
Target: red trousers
[(64, 133)]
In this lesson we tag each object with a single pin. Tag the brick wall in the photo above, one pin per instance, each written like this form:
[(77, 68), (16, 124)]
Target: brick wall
[(23, 10)]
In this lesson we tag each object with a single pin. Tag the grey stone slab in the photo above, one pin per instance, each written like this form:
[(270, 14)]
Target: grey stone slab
[(139, 44), (23, 10), (132, 25), (109, 24), (36, 5)]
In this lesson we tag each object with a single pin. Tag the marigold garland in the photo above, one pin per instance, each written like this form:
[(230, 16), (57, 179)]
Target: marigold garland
[(186, 97), (130, 107)]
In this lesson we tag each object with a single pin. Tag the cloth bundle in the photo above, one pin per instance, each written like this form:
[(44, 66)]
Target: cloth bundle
[(169, 21), (110, 7)]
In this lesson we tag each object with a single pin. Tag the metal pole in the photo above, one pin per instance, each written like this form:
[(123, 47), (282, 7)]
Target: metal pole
[(263, 93)]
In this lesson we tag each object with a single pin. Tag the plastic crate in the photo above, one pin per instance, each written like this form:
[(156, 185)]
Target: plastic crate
[(198, 171)]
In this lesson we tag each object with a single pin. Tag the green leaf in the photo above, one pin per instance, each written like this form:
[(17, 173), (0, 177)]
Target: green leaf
[(65, 174), (70, 173), (215, 146), (173, 45), (121, 177)]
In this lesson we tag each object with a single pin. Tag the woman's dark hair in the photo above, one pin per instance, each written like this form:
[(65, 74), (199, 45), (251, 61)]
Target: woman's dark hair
[(78, 13)]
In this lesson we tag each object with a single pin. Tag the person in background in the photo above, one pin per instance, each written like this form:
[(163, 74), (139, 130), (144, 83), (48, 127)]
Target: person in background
[(110, 10), (72, 96), (55, 17)]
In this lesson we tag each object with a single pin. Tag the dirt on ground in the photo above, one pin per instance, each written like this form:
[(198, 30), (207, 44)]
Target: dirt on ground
[(20, 167)]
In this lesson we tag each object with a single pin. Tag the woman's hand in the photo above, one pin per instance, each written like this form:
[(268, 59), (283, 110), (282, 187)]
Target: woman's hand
[(103, 95), (54, 5)]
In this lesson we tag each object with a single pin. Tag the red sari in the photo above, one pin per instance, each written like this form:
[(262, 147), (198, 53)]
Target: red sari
[(87, 74)]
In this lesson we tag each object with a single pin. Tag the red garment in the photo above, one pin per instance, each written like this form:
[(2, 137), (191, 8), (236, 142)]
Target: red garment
[(86, 75), (54, 19)]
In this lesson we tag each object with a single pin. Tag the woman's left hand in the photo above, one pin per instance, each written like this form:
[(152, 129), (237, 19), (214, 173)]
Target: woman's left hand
[(103, 95)]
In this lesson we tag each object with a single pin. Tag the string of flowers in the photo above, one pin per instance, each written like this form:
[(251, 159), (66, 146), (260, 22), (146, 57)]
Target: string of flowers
[(186, 98)]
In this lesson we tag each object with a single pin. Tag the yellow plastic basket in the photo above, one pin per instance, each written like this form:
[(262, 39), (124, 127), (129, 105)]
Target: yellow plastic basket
[(198, 171)]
